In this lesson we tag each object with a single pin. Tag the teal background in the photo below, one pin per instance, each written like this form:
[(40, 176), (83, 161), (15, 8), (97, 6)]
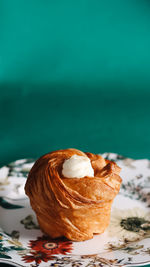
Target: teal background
[(74, 74)]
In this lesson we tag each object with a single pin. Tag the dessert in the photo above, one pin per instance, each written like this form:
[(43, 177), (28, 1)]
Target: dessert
[(72, 192)]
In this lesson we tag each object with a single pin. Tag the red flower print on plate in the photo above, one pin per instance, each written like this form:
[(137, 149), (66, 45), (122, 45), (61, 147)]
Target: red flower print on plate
[(43, 249), (51, 246)]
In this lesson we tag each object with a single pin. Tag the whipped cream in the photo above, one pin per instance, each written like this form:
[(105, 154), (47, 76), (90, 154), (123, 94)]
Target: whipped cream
[(77, 167)]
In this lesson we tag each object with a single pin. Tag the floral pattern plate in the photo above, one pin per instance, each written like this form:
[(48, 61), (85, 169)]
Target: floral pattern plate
[(126, 242)]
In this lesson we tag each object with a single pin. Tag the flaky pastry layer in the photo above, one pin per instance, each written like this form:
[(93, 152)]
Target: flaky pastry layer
[(75, 208)]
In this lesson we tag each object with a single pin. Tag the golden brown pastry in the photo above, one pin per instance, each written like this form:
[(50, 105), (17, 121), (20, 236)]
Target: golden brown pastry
[(74, 207)]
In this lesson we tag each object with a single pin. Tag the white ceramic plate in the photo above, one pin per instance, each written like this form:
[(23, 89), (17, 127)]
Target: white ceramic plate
[(126, 242)]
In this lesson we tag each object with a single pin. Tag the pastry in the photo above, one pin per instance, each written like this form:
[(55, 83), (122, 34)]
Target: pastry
[(72, 192)]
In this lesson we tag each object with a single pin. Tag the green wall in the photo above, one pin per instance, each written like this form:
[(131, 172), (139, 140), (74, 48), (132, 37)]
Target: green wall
[(74, 74)]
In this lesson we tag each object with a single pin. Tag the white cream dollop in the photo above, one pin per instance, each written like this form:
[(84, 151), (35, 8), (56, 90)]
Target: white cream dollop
[(77, 167)]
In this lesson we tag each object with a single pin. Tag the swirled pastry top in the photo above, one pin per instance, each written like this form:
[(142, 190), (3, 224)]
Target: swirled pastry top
[(46, 178)]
